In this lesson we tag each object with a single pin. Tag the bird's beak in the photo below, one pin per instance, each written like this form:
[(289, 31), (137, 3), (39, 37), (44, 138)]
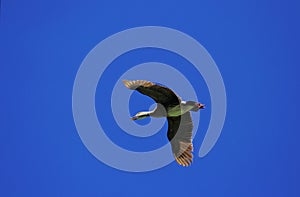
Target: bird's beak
[(134, 118), (201, 106)]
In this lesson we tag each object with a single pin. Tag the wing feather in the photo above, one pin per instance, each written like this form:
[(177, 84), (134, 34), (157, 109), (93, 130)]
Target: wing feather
[(160, 94), (180, 135)]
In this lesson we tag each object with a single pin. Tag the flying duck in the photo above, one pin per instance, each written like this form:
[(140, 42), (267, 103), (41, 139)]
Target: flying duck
[(176, 111)]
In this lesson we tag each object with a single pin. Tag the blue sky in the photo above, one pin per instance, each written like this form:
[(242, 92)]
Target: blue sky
[(255, 45)]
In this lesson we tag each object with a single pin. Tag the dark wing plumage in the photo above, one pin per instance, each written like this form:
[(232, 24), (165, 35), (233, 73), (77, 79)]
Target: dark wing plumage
[(180, 135), (158, 93)]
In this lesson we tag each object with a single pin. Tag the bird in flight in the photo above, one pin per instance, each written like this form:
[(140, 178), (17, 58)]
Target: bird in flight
[(176, 111)]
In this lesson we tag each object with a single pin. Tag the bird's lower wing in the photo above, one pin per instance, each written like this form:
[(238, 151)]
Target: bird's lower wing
[(184, 157), (180, 135)]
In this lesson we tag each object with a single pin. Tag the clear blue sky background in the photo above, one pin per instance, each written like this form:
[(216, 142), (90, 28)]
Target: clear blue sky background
[(254, 43)]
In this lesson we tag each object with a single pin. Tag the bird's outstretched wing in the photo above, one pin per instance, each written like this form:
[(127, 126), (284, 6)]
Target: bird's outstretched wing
[(180, 135), (158, 93)]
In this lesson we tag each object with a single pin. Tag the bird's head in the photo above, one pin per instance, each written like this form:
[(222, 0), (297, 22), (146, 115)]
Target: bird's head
[(196, 106), (140, 115)]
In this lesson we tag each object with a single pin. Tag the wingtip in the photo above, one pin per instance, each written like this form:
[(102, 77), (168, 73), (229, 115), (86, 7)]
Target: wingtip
[(136, 83), (186, 157), (126, 83), (184, 161)]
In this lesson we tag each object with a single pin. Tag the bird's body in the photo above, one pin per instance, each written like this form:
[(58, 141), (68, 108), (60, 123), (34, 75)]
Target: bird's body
[(174, 111), (180, 109), (177, 112)]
